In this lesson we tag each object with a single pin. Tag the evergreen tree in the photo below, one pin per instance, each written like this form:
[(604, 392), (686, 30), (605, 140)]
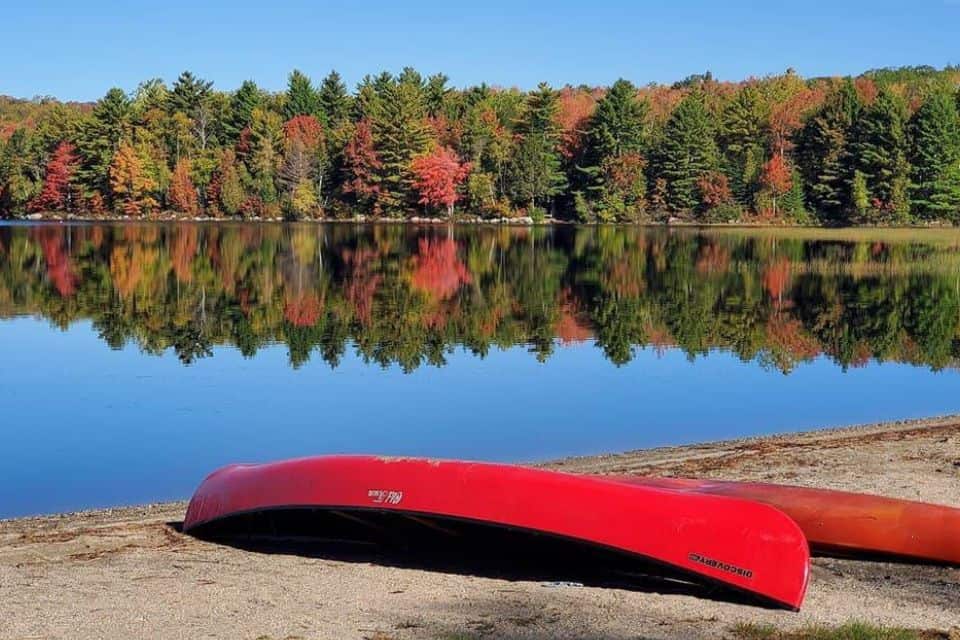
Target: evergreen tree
[(437, 93), (880, 155), (742, 136), (242, 103), (824, 154), (400, 132), (535, 173), (302, 98), (934, 156), (334, 101), (188, 94), (100, 138), (687, 152), (613, 164)]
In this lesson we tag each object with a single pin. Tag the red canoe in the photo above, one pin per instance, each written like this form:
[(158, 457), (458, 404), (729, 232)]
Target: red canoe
[(744, 545), (839, 522)]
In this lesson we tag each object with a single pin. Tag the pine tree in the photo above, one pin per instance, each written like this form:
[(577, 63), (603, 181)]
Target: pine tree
[(302, 98), (880, 153), (825, 154), (687, 152), (100, 138), (613, 161), (934, 156), (437, 93), (188, 94), (242, 103), (741, 136), (334, 101), (535, 172), (400, 133)]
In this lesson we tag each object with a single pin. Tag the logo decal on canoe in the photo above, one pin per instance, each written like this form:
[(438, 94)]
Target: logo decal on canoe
[(384, 496), (722, 566)]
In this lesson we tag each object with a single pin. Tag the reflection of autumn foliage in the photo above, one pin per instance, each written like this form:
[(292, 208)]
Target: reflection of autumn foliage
[(127, 264), (303, 310), (361, 282), (788, 335), (570, 328), (624, 279), (776, 278), (658, 337), (59, 270), (713, 258), (437, 270), (183, 251)]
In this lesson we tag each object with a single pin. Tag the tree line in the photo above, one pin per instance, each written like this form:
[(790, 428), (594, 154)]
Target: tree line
[(880, 148), (407, 296)]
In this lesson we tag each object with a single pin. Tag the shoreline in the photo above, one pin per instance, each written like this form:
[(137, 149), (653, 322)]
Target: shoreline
[(465, 220), (128, 571)]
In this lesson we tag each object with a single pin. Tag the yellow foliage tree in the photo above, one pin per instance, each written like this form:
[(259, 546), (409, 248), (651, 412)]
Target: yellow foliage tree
[(132, 188)]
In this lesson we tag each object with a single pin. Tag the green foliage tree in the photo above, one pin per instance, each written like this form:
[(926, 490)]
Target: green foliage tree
[(824, 154), (242, 103), (934, 156), (687, 152), (400, 133), (880, 157), (535, 174), (99, 138), (613, 164), (334, 101), (302, 98)]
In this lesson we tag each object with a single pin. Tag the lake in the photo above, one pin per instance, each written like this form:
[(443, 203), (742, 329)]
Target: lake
[(136, 358)]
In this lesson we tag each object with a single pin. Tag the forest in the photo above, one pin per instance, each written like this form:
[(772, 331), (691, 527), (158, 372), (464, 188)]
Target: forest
[(407, 296), (879, 148)]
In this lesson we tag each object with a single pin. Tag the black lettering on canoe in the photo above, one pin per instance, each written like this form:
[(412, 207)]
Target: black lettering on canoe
[(722, 566)]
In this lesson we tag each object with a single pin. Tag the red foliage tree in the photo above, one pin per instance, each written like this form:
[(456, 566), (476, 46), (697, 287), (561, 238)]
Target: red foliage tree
[(182, 193), (437, 176), (56, 193), (714, 189), (362, 164), (305, 129)]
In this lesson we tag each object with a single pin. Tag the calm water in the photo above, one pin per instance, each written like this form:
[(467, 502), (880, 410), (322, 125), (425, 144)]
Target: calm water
[(136, 358)]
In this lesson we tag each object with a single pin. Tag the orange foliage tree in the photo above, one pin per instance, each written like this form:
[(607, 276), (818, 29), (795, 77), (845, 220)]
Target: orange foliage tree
[(182, 193), (776, 177), (132, 188)]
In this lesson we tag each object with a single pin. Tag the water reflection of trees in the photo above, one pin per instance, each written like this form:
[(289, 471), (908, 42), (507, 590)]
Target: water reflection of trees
[(398, 294)]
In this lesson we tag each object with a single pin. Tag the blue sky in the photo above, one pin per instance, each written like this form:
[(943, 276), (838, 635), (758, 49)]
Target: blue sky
[(77, 50)]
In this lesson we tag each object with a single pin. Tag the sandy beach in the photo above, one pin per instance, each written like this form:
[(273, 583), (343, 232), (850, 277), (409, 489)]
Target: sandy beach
[(130, 573)]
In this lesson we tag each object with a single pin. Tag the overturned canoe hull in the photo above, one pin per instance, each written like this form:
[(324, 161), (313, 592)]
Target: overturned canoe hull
[(840, 522), (749, 547)]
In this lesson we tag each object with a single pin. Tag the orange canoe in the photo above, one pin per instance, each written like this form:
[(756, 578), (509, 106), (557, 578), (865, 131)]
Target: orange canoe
[(843, 523)]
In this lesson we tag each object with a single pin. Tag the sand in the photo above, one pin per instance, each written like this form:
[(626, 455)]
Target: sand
[(129, 573)]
